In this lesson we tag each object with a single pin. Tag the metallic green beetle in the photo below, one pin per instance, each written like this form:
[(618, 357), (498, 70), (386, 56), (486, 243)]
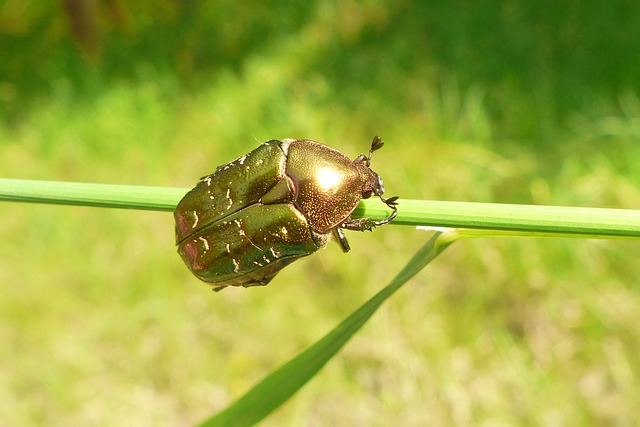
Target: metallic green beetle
[(254, 216)]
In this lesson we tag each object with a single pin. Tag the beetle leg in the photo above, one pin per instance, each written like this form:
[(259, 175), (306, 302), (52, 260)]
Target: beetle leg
[(362, 224), (342, 239)]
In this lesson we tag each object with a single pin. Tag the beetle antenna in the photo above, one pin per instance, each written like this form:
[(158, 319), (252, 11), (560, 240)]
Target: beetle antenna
[(376, 144)]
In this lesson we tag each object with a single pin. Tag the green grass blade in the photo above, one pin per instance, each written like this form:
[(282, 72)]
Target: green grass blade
[(90, 194), (282, 383), (488, 216), (523, 218)]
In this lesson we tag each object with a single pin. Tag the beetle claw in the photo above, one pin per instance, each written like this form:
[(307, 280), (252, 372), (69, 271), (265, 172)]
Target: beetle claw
[(393, 204)]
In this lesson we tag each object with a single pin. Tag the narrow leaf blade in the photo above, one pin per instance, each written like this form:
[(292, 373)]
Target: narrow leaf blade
[(281, 384)]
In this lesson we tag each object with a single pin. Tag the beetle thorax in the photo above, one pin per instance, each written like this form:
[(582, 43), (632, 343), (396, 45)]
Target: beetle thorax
[(327, 185)]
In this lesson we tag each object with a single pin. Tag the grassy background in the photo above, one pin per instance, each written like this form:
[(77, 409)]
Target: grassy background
[(519, 102)]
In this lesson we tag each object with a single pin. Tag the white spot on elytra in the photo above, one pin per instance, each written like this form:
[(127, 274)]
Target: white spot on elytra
[(284, 231), (195, 222), (207, 179), (229, 199), (274, 253), (228, 248), (239, 224), (236, 265), (242, 159), (204, 242)]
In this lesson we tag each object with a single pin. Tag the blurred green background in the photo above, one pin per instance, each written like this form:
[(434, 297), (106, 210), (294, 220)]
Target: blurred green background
[(494, 101)]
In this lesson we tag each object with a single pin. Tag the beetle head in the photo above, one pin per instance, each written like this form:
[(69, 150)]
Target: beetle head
[(372, 184)]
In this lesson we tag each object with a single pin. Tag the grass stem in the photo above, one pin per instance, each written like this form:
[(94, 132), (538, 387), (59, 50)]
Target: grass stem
[(488, 216)]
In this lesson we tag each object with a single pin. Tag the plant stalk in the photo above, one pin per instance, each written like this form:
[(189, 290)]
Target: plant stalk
[(600, 222)]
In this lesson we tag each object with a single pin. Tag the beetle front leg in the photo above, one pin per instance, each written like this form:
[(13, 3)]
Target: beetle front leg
[(360, 224)]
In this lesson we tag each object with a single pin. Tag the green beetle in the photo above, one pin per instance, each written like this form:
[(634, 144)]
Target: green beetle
[(282, 201)]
